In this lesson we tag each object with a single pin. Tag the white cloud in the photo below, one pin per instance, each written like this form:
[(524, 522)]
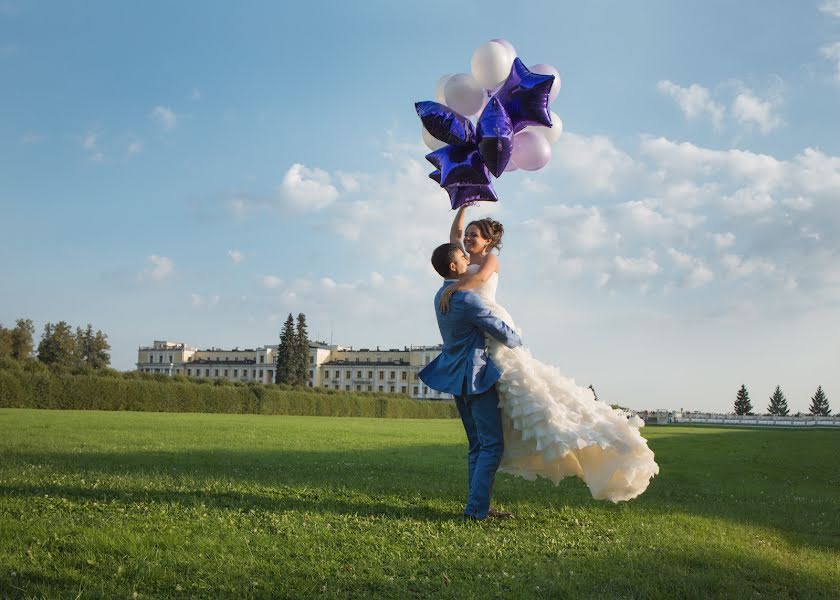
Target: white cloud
[(723, 240), (165, 117), (135, 147), (641, 267), (737, 266), (694, 101), (832, 53), (89, 141), (594, 163), (748, 109), (197, 299), (236, 256), (195, 94), (747, 201), (307, 189), (831, 7), (696, 272), (32, 138), (159, 268), (271, 281), (798, 203)]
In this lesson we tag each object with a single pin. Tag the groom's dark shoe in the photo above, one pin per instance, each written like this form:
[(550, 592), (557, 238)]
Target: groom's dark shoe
[(497, 514)]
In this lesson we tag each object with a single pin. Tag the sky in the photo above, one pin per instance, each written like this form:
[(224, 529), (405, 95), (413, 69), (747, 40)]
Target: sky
[(197, 171)]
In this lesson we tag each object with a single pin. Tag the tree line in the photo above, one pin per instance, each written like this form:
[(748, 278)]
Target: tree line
[(60, 345), (778, 403), (293, 353)]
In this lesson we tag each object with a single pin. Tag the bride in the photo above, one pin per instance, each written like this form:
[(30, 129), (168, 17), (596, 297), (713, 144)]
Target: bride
[(553, 428)]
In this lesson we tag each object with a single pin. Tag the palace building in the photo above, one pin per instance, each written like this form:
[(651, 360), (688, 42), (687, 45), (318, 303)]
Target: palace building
[(334, 367)]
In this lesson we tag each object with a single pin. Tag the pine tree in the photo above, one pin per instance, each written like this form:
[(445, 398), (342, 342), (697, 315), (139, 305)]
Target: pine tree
[(301, 368), (5, 342), (285, 372), (93, 348), (778, 403), (819, 404), (58, 345), (742, 402), (22, 344)]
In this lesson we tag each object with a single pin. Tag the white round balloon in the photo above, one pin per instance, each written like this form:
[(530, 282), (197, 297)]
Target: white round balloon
[(531, 150), (463, 94), (543, 69), (552, 134), (511, 50), (490, 64), (441, 83), (431, 141)]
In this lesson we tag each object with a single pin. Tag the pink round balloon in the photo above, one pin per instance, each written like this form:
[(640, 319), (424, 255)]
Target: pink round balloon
[(531, 151), (511, 166)]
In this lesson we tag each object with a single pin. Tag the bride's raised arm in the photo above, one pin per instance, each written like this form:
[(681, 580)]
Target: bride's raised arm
[(489, 265), (456, 232)]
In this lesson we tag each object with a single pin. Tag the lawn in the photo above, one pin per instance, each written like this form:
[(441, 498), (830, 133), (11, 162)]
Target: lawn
[(151, 505)]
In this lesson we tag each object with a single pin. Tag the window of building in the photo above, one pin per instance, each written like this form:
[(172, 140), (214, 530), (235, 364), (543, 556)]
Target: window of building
[(326, 374), (381, 375), (347, 374), (217, 372), (311, 374), (326, 384), (170, 358), (393, 375), (358, 374), (207, 372), (347, 388), (404, 375), (392, 389), (253, 373), (310, 384), (416, 390), (338, 387), (358, 388), (261, 373), (370, 388), (189, 372), (381, 389), (236, 372), (370, 375), (311, 359), (262, 358), (425, 391), (226, 372), (403, 389), (160, 358)]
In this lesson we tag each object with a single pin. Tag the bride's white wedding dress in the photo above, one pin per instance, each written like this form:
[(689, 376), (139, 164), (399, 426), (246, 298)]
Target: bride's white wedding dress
[(554, 428)]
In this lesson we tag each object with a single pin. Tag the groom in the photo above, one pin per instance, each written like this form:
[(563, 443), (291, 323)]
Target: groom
[(465, 370)]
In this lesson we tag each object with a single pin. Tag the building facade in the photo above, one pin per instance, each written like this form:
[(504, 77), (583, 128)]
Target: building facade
[(392, 371)]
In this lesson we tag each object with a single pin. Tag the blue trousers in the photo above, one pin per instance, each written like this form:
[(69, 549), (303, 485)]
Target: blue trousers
[(483, 425)]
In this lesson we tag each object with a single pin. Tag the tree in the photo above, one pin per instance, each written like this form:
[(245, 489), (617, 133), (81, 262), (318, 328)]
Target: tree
[(58, 345), (778, 403), (5, 342), (301, 363), (819, 404), (22, 336), (93, 348), (742, 402), (285, 372)]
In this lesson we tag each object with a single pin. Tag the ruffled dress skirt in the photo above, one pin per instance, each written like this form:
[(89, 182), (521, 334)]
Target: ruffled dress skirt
[(554, 428)]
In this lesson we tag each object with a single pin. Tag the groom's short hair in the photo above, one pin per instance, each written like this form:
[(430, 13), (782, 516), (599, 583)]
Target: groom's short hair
[(443, 256)]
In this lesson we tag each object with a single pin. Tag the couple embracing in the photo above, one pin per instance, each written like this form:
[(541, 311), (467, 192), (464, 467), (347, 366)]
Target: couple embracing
[(520, 415)]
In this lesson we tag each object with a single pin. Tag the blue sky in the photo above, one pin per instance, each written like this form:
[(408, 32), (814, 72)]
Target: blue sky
[(196, 171)]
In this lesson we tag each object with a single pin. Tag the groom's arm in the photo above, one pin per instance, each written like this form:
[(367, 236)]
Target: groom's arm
[(477, 313)]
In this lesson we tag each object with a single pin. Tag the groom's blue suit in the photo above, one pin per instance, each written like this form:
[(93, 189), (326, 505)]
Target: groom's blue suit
[(465, 370)]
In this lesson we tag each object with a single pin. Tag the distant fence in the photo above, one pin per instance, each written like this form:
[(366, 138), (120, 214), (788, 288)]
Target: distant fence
[(758, 420)]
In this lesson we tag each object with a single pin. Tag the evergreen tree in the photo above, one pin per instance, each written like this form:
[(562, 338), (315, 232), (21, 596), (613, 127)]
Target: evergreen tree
[(5, 342), (22, 336), (58, 345), (93, 348), (778, 403), (742, 402), (819, 404), (285, 372), (301, 367)]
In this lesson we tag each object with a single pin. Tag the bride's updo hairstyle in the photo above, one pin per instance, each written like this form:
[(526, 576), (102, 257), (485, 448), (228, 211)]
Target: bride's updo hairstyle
[(490, 230)]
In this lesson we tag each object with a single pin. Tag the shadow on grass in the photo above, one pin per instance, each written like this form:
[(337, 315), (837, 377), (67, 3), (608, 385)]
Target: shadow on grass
[(783, 480)]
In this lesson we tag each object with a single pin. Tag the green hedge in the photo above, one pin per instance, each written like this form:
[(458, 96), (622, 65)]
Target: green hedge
[(33, 385)]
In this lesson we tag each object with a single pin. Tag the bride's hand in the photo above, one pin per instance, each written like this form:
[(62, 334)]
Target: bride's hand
[(445, 297)]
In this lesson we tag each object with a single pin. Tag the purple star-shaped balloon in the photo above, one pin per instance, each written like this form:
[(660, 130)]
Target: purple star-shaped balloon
[(525, 96), (495, 136), (445, 124), (461, 165)]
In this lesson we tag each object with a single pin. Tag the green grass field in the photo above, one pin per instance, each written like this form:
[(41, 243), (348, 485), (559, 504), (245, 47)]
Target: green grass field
[(150, 505)]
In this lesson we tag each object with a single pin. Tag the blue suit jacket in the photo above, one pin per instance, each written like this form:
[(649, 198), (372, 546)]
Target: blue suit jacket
[(464, 367)]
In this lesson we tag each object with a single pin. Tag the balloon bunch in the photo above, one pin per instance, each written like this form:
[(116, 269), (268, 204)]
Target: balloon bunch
[(514, 127)]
